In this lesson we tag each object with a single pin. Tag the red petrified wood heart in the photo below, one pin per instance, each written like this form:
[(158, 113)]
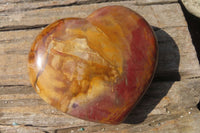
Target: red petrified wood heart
[(96, 68)]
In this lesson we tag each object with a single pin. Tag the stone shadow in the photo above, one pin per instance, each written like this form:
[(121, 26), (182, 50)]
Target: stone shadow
[(194, 28)]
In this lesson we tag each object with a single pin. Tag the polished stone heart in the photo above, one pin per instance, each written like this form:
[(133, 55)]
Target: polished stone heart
[(95, 68)]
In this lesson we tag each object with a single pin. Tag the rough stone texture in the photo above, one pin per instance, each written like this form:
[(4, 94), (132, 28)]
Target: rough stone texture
[(193, 6), (168, 106)]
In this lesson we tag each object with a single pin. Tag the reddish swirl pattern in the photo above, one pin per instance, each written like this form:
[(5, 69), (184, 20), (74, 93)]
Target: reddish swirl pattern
[(96, 68)]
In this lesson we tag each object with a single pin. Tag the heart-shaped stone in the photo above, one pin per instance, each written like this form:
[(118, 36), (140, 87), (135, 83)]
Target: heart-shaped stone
[(96, 68)]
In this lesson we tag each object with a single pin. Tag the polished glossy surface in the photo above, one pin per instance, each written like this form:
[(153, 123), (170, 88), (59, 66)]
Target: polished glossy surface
[(96, 68)]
